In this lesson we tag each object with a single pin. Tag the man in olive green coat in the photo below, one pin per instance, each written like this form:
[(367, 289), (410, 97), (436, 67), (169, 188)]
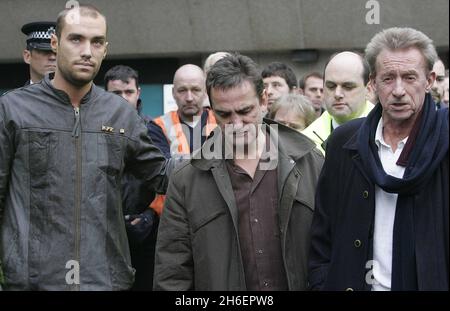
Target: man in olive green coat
[(238, 214)]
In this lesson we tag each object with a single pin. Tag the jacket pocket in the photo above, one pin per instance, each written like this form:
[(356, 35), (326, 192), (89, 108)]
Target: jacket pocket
[(38, 151), (110, 153), (304, 200), (203, 220)]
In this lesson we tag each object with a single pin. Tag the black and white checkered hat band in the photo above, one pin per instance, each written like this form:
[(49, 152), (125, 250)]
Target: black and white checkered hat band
[(41, 34)]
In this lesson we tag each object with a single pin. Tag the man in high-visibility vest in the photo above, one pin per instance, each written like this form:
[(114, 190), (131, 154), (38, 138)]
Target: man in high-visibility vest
[(180, 132), (345, 80)]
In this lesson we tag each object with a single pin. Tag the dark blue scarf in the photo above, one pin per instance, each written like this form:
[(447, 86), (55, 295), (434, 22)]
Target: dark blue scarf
[(418, 217)]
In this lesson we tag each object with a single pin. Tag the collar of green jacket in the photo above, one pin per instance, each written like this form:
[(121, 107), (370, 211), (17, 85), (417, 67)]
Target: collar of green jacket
[(320, 129), (291, 144)]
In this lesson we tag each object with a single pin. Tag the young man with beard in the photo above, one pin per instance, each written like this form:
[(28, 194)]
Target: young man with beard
[(66, 144)]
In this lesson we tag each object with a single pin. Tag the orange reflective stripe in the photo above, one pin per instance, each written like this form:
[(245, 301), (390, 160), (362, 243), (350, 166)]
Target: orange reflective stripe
[(158, 203), (173, 130), (183, 146), (211, 123), (171, 125), (159, 121)]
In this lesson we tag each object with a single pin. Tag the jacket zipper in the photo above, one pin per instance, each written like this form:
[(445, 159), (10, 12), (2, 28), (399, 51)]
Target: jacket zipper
[(76, 134)]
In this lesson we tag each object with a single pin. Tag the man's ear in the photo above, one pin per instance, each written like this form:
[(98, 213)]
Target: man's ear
[(26, 56), (430, 81), (264, 100), (54, 43), (106, 49), (372, 84)]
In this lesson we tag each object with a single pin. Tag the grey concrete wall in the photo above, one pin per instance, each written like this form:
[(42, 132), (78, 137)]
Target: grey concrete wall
[(154, 28)]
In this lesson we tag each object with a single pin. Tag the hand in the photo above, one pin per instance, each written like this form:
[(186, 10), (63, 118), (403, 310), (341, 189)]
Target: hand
[(139, 226)]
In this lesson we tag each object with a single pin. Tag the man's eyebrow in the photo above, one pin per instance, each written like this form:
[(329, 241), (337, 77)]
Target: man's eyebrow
[(78, 35), (99, 38), (73, 34), (244, 108), (222, 112), (410, 72)]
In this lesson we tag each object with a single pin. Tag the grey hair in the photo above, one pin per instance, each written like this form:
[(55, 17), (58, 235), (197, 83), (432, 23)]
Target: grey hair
[(400, 38), (212, 59), (297, 104)]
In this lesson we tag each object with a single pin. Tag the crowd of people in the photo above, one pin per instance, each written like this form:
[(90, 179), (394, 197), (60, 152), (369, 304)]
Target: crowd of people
[(258, 181)]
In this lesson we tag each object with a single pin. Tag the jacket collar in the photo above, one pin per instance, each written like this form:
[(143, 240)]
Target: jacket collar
[(63, 97), (352, 143), (291, 145)]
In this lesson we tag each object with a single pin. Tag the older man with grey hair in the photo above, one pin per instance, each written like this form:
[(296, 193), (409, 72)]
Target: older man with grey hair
[(382, 202)]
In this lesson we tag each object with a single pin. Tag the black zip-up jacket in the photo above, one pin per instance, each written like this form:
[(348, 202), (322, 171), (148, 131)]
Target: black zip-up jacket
[(60, 187)]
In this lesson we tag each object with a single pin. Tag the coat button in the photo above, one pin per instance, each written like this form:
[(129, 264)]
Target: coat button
[(357, 243), (349, 289), (365, 194)]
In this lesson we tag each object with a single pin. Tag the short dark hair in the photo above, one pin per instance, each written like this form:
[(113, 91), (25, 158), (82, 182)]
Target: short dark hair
[(122, 73), (365, 64), (84, 10), (281, 70), (231, 71), (314, 74)]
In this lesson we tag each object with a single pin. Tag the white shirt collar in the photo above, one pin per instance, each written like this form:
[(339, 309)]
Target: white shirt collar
[(379, 139), (334, 124)]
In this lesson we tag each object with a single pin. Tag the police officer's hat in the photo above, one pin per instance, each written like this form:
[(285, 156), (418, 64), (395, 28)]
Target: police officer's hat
[(39, 34)]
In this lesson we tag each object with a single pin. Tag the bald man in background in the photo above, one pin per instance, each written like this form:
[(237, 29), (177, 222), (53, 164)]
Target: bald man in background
[(180, 132), (345, 89)]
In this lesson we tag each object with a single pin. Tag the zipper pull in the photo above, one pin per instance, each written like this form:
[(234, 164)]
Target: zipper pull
[(76, 128)]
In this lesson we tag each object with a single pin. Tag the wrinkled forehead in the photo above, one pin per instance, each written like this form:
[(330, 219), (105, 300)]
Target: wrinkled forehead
[(408, 59), (237, 94)]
